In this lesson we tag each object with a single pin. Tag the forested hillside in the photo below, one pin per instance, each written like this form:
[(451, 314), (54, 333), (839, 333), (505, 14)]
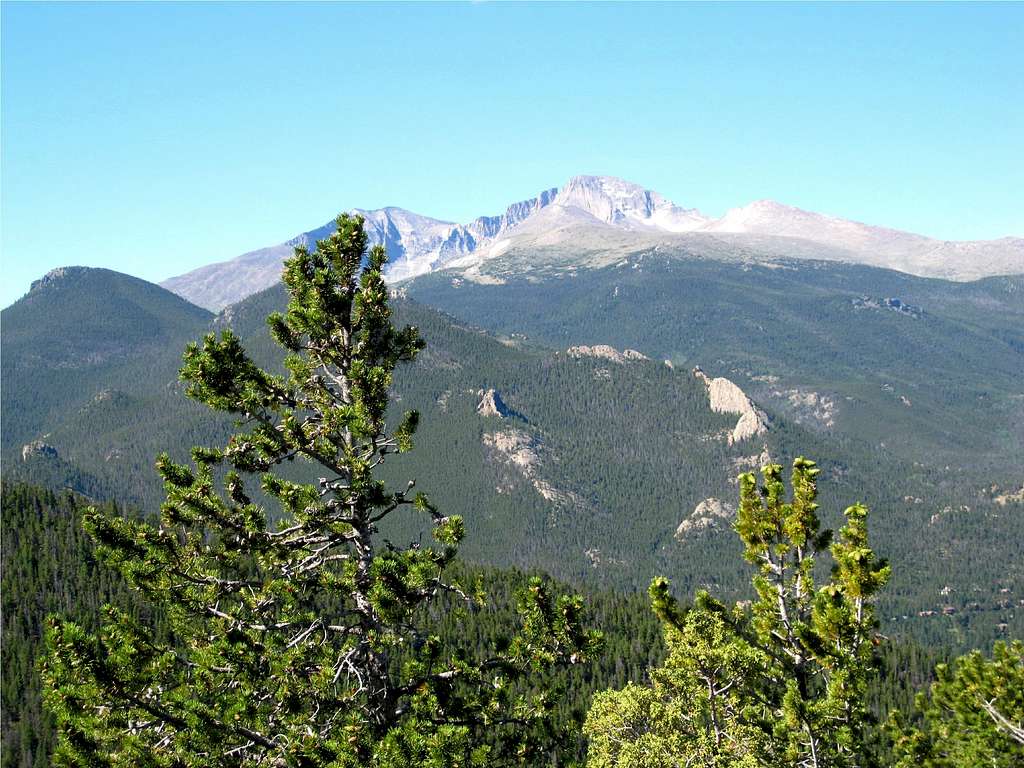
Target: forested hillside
[(601, 471), (927, 370), (358, 410), (88, 337), (513, 429), (49, 567)]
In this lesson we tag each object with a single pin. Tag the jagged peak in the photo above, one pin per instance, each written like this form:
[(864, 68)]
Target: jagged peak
[(623, 203), (606, 182), (491, 404)]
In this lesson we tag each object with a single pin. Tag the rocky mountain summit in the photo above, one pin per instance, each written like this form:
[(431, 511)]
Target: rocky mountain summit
[(623, 204), (55, 276), (608, 215)]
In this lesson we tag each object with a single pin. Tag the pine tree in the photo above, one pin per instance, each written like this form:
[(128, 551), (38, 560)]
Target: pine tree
[(304, 642), (973, 714), (783, 683)]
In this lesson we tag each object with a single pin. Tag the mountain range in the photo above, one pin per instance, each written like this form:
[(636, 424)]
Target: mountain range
[(563, 413), (595, 220)]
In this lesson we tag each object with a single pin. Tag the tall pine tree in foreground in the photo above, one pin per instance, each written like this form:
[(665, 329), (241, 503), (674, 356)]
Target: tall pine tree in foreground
[(783, 682), (303, 643)]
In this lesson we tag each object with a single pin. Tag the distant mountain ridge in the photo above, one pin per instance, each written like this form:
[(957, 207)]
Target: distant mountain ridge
[(594, 213)]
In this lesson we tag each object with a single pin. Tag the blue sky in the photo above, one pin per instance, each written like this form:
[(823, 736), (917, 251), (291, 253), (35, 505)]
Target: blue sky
[(154, 138)]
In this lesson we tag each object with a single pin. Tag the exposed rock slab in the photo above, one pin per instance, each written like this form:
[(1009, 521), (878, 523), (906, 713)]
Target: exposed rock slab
[(808, 407), (753, 462), (38, 448), (606, 352), (725, 397), (518, 450), (491, 404), (710, 514), (1009, 498)]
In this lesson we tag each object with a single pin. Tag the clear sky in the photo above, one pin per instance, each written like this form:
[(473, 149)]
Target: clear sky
[(153, 138)]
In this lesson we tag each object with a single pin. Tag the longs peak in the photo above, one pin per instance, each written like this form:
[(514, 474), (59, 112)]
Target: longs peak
[(610, 209)]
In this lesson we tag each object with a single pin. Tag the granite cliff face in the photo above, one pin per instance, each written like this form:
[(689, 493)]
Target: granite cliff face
[(711, 514), (55, 276), (491, 404), (490, 227), (725, 397), (623, 204)]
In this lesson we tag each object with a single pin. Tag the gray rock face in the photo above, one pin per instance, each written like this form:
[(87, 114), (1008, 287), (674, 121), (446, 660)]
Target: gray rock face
[(725, 397), (606, 352), (490, 227), (491, 404), (624, 204), (38, 448), (710, 514), (415, 244), (55, 276)]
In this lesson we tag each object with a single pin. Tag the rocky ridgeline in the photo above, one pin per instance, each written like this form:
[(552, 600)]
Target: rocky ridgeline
[(725, 397), (605, 352), (616, 210)]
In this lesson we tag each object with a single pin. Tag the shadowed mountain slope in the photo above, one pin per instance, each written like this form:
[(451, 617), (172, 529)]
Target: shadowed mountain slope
[(927, 369)]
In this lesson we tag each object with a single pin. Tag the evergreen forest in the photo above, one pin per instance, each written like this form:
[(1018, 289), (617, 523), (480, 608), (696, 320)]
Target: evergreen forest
[(429, 527)]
